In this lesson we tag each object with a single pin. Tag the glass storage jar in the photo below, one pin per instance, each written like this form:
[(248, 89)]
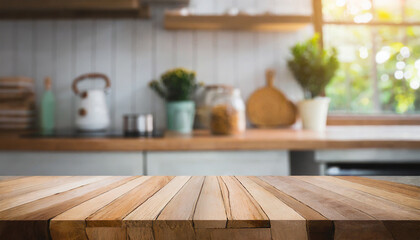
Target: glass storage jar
[(227, 115), (203, 104)]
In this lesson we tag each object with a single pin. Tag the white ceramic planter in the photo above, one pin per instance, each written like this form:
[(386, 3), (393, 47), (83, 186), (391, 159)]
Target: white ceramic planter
[(313, 113)]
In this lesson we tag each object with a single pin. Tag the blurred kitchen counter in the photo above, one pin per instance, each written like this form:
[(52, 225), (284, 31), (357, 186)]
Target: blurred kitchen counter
[(335, 137)]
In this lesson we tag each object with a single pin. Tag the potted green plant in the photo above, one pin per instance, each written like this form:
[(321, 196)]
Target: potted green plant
[(313, 67), (177, 87)]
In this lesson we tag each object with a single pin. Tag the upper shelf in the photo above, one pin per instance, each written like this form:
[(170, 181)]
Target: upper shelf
[(52, 9), (263, 22)]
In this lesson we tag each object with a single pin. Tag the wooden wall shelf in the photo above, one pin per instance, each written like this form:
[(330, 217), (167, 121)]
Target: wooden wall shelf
[(174, 20), (52, 9)]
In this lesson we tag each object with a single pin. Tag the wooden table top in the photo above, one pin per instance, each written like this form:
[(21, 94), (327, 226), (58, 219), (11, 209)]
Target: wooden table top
[(337, 137), (227, 207)]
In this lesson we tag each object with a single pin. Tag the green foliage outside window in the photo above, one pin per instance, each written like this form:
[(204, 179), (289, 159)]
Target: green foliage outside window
[(380, 65)]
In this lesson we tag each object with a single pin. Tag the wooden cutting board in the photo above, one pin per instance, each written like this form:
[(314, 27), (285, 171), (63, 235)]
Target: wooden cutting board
[(268, 107)]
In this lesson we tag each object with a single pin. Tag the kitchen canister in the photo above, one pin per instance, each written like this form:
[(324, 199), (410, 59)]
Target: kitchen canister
[(227, 114), (138, 125)]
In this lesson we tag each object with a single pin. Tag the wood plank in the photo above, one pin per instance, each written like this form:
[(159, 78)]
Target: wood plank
[(233, 234), (371, 203), (32, 196), (404, 189), (348, 221), (395, 197), (210, 211), (396, 218), (144, 215), (30, 221), (175, 220), (71, 224), (112, 214), (9, 178), (241, 209), (144, 207), (285, 222), (318, 226), (22, 182), (43, 183), (139, 223), (174, 20)]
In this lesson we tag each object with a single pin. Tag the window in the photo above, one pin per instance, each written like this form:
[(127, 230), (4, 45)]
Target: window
[(379, 50)]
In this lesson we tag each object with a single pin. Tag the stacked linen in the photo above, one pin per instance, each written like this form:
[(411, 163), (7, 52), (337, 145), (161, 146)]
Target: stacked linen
[(17, 103)]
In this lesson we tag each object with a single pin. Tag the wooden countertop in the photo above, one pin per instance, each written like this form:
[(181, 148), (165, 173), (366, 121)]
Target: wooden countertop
[(343, 137), (227, 207)]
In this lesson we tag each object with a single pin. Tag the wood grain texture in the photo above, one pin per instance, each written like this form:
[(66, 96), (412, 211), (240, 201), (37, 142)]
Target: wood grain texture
[(71, 224), (210, 211), (34, 216), (393, 218), (403, 189), (35, 195), (175, 220), (318, 226), (285, 222), (392, 137), (151, 209), (112, 214), (392, 196), (241, 209), (227, 207), (328, 204), (174, 20), (282, 112)]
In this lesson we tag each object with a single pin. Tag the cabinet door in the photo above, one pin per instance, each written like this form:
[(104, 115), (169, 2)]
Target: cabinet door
[(218, 163), (71, 163), (40, 5)]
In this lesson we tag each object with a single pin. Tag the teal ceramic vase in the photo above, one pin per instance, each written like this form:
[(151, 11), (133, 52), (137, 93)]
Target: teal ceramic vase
[(180, 116)]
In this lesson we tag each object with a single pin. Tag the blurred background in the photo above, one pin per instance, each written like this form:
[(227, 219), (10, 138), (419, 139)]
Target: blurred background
[(258, 59)]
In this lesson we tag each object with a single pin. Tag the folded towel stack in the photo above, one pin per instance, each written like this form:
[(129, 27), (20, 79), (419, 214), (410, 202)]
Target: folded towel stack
[(17, 103)]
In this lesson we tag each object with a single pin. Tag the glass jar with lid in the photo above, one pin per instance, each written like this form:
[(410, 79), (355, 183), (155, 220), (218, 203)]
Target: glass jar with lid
[(227, 115), (204, 100)]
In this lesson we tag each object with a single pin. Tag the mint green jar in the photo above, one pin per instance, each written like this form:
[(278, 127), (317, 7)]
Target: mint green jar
[(180, 115)]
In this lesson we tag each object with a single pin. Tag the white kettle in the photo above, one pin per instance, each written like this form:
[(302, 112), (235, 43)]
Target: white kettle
[(92, 111)]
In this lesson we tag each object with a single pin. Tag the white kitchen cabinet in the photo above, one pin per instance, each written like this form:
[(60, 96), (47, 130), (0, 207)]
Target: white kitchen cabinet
[(71, 163), (218, 163)]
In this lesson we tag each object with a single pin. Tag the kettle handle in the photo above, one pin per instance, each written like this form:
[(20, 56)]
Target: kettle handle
[(90, 75)]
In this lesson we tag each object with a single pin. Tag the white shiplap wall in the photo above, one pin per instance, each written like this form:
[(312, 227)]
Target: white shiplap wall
[(132, 52)]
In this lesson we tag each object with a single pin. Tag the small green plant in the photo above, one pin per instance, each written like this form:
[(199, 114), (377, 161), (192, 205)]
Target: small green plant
[(312, 66), (176, 84)]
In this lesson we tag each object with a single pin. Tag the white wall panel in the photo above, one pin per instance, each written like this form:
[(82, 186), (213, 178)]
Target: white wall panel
[(165, 57), (123, 70), (144, 66), (8, 48), (184, 49), (24, 54), (64, 74)]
